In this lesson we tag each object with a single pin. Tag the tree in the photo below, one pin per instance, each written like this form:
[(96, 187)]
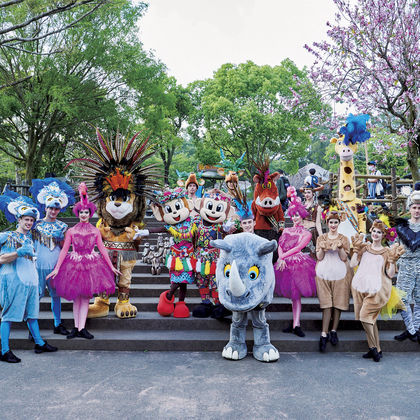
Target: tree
[(371, 61), (88, 82), (255, 109), (165, 113)]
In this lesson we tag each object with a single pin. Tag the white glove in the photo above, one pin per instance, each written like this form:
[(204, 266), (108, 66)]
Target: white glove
[(140, 233)]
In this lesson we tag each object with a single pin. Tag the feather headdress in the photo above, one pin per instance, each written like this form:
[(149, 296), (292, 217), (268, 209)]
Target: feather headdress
[(355, 130), (52, 192), (14, 206), (113, 165)]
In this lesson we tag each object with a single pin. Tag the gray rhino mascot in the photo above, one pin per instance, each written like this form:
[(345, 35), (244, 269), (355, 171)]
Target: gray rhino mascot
[(245, 280)]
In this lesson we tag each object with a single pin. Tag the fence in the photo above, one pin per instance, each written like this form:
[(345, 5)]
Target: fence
[(394, 200)]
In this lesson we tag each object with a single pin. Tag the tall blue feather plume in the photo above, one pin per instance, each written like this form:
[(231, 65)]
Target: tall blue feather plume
[(355, 130)]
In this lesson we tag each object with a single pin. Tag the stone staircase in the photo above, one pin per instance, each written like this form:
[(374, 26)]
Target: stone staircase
[(151, 332)]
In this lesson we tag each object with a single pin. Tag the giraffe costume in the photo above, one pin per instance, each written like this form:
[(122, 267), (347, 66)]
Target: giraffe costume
[(352, 133)]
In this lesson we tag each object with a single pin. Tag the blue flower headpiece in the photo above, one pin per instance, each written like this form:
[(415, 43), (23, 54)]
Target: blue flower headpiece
[(243, 209), (164, 196), (15, 206), (355, 130), (51, 192)]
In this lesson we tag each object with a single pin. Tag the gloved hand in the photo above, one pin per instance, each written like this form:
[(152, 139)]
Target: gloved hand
[(140, 233), (26, 251), (358, 244)]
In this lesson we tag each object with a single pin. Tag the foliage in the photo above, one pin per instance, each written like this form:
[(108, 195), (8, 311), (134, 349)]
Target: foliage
[(89, 81), (255, 109), (371, 61)]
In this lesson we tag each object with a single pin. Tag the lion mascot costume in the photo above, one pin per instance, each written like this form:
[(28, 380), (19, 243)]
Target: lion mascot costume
[(119, 184)]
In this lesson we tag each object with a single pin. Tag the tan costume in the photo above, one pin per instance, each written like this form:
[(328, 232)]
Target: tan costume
[(371, 287), (333, 275)]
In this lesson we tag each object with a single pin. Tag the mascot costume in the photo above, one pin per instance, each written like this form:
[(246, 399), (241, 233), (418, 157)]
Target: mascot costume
[(214, 209), (269, 217), (174, 210), (119, 184), (245, 277)]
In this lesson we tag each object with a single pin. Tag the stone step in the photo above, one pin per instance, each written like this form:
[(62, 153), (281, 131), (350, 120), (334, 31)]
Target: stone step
[(151, 320), (214, 340)]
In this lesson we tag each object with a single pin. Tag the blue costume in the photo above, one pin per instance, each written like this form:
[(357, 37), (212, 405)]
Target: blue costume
[(48, 235), (18, 277)]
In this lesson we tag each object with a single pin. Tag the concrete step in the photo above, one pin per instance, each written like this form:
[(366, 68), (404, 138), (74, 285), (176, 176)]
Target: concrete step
[(151, 320), (214, 340)]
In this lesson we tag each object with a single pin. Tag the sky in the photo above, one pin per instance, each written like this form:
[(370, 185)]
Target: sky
[(193, 38)]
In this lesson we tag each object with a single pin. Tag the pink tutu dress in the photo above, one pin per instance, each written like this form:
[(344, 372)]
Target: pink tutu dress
[(83, 272), (298, 277)]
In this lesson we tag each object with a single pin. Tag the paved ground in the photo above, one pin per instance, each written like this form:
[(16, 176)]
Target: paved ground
[(172, 385)]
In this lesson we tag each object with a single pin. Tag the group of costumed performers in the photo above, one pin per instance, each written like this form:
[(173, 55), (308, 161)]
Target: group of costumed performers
[(19, 292)]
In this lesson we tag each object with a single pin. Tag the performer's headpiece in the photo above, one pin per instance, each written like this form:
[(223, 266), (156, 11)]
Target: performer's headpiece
[(217, 195), (333, 215), (295, 206), (15, 206), (116, 167), (414, 198), (84, 203), (379, 224), (52, 192), (231, 170), (168, 195), (355, 130)]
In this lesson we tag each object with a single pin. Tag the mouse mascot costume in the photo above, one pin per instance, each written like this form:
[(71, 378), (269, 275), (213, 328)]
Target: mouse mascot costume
[(119, 183), (214, 209), (174, 210)]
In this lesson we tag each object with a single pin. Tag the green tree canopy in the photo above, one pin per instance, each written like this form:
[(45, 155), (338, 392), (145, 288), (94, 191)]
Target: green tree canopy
[(255, 109)]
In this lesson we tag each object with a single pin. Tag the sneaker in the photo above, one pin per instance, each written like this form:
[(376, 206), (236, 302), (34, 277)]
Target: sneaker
[(61, 329), (333, 338), (9, 357), (84, 333), (323, 343), (298, 331), (73, 334), (406, 334), (46, 348)]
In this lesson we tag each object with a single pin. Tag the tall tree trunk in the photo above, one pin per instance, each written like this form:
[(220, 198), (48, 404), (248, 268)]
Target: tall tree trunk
[(413, 158)]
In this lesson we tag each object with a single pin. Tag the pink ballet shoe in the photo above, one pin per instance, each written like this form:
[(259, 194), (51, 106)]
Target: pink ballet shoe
[(181, 310), (165, 306)]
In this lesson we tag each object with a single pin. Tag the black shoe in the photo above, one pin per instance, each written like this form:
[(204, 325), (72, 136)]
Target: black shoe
[(219, 312), (323, 343), (373, 354), (288, 329), (203, 310), (406, 334), (84, 333), (298, 331), (30, 338), (46, 348), (73, 334), (333, 338), (61, 329), (418, 336), (9, 357)]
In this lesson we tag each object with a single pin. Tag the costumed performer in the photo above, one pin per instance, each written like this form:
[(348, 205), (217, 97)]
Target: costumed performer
[(214, 209), (409, 268), (53, 196), (119, 181), (313, 221), (333, 278), (372, 285), (174, 210), (18, 275), (294, 270), (80, 274), (194, 188)]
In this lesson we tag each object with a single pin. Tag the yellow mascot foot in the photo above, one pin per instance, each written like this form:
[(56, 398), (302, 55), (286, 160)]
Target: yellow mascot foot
[(99, 308), (124, 309)]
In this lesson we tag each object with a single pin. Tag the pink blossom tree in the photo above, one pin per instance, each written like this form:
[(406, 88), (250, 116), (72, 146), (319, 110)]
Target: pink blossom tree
[(371, 61)]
